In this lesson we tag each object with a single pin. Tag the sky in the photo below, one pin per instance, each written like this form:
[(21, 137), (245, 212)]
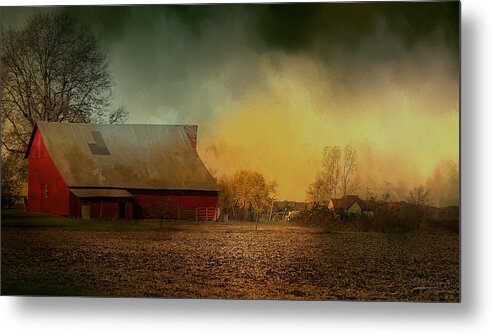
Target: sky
[(270, 85)]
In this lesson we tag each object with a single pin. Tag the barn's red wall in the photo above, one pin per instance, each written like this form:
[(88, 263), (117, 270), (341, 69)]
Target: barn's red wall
[(74, 206), (182, 199), (129, 210), (110, 207), (104, 209), (42, 171), (60, 201)]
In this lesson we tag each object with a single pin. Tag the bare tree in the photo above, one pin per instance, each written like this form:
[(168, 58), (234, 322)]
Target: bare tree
[(162, 210), (52, 70), (337, 171), (117, 116), (420, 196), (349, 167), (331, 171), (444, 183), (272, 190)]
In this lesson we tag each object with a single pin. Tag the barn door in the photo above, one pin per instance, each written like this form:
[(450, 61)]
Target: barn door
[(122, 210), (85, 211)]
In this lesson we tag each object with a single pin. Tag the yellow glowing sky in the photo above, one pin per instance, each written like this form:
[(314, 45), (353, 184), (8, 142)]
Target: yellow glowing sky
[(401, 130)]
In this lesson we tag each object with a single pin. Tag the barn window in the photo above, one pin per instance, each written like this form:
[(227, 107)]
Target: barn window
[(99, 147), (46, 191)]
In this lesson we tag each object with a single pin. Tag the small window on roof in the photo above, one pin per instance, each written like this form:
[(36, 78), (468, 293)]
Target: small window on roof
[(99, 147)]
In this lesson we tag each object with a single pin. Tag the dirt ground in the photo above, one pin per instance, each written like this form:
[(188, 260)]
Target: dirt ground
[(213, 260)]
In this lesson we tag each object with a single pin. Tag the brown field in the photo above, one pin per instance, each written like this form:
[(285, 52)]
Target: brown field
[(58, 256)]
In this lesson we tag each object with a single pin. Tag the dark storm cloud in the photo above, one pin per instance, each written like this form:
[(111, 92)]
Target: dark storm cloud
[(359, 41), (190, 58), (112, 21), (174, 63), (296, 27), (321, 29)]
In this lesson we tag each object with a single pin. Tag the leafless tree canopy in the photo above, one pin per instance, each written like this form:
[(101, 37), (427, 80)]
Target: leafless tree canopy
[(420, 196), (349, 167), (337, 174), (52, 70)]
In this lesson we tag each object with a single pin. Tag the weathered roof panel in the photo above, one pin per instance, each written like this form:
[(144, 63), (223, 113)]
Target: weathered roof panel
[(99, 192), (126, 156)]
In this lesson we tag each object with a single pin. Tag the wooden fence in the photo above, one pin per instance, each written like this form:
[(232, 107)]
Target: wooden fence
[(197, 214)]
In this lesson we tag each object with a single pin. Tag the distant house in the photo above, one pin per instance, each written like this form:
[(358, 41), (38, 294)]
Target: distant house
[(291, 215), (118, 171), (349, 204)]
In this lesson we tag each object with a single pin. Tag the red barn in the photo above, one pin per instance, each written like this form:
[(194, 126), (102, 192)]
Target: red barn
[(118, 171)]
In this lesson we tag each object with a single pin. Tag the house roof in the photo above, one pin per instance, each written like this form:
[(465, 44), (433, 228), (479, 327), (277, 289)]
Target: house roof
[(100, 192), (347, 201), (133, 156)]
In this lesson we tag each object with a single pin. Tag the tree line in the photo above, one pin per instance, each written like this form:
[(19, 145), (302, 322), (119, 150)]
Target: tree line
[(339, 176)]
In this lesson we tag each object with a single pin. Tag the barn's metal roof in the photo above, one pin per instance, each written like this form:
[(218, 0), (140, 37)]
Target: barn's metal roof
[(98, 192), (125, 156)]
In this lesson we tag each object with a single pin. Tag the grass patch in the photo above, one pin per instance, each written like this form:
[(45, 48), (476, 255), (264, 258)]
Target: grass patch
[(21, 219)]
